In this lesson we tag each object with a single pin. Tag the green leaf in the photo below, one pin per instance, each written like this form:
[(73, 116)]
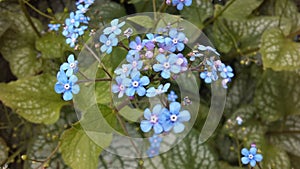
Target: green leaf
[(131, 114), (144, 21), (52, 45), (288, 9), (24, 62), (277, 95), (3, 151), (4, 25), (287, 134), (240, 9), (33, 98), (78, 150), (198, 12), (190, 153), (275, 158), (278, 52), (244, 33)]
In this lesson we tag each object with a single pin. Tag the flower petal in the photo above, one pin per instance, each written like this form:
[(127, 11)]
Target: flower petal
[(184, 116), (178, 127), (258, 157), (68, 96), (147, 114), (157, 128), (59, 88), (175, 107), (245, 160), (75, 89), (245, 152), (145, 126)]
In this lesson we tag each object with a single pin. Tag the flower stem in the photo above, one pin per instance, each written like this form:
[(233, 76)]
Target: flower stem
[(38, 11), (49, 157), (23, 7)]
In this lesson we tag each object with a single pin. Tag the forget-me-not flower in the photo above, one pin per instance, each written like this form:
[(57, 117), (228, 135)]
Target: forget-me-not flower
[(251, 156), (137, 84), (71, 66), (66, 85), (135, 62), (180, 3), (115, 27), (152, 119), (108, 43), (172, 96), (136, 46), (166, 65), (151, 92), (121, 86), (53, 27), (176, 39), (124, 71)]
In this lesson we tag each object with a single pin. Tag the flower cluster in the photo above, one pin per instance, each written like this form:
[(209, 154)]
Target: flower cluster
[(179, 3), (155, 141), (77, 22), (66, 79), (250, 156)]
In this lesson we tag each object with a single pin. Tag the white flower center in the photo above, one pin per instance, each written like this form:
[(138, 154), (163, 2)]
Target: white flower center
[(72, 20), (108, 42), (125, 69), (135, 84), (175, 40), (113, 28), (166, 65), (153, 119), (121, 87), (67, 86), (250, 156), (173, 118), (138, 47), (72, 65), (134, 63)]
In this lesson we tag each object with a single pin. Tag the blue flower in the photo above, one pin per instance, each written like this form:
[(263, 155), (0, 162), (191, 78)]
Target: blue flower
[(136, 46), (226, 71), (72, 40), (108, 43), (251, 156), (166, 65), (82, 8), (155, 141), (124, 71), (121, 86), (135, 61), (73, 21), (182, 62), (152, 39), (180, 3), (152, 119), (176, 39), (71, 66), (152, 151), (209, 48), (172, 96), (224, 83), (137, 85), (194, 54), (239, 120), (151, 92), (80, 30), (89, 2), (174, 118), (115, 27), (66, 85), (210, 73), (53, 27)]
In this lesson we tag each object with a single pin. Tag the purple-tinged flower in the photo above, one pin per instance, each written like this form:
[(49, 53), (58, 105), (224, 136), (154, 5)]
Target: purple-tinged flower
[(152, 40), (53, 27), (136, 46), (166, 65), (176, 39), (180, 3), (152, 92), (121, 86), (149, 54), (182, 62), (152, 119), (172, 96), (152, 151), (115, 27), (224, 83), (251, 156), (155, 141), (135, 62), (137, 85), (71, 66), (66, 85), (174, 118), (226, 71), (124, 71), (108, 43)]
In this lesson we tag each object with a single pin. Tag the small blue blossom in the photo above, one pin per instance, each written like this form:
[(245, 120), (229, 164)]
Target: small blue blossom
[(209, 48), (176, 39), (124, 71), (66, 85), (72, 40), (108, 43), (81, 30), (172, 96), (251, 156), (137, 85), (82, 8), (136, 46), (152, 151), (210, 73), (121, 86), (71, 66), (239, 120), (152, 39), (151, 92), (152, 119), (73, 21), (226, 71), (135, 62), (174, 118), (115, 27), (53, 27), (155, 141), (166, 65), (180, 3)]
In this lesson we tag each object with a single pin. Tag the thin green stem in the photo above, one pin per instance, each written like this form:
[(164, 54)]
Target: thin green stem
[(23, 7), (219, 14), (259, 166), (49, 157), (154, 9), (94, 80), (238, 147), (14, 155), (38, 11)]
